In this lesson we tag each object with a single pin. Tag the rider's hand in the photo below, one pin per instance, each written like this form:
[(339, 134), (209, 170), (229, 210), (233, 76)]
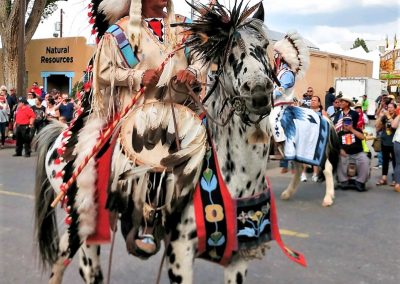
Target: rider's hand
[(185, 76), (150, 77)]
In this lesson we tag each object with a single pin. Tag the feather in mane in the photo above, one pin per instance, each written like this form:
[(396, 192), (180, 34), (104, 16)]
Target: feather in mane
[(212, 33)]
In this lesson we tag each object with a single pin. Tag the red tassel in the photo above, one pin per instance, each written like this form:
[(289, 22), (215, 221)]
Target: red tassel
[(93, 32), (57, 161), (68, 209), (67, 134), (67, 262), (60, 151), (90, 14), (68, 220), (63, 189), (97, 40), (91, 20), (60, 174), (90, 5)]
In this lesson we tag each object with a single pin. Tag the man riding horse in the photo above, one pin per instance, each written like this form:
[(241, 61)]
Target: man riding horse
[(128, 58)]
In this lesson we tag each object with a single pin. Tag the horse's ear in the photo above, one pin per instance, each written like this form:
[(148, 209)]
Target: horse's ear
[(259, 14)]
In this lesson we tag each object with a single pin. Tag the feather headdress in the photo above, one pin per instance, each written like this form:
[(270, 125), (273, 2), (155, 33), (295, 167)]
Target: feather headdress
[(213, 32), (104, 13), (294, 51)]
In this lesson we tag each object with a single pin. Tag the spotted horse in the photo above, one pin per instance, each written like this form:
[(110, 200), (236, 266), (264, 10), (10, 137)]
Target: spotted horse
[(236, 107)]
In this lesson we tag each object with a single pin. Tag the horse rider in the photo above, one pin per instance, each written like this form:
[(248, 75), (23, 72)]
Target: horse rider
[(120, 70)]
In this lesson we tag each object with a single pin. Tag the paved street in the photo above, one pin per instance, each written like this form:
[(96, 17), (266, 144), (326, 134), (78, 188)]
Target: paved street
[(354, 242)]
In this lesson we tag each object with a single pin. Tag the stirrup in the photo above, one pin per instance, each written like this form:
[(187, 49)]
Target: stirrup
[(146, 244)]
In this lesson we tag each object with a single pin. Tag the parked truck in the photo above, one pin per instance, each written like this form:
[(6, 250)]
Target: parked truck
[(359, 86)]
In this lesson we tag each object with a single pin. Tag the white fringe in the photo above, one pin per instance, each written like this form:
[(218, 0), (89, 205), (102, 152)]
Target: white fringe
[(114, 9), (85, 198)]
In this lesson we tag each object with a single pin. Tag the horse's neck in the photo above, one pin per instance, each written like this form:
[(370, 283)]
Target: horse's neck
[(243, 166)]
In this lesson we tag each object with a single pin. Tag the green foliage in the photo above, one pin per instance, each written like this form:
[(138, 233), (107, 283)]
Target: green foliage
[(49, 9), (360, 42)]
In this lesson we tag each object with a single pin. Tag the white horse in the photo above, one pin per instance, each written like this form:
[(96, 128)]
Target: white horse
[(243, 96), (311, 139)]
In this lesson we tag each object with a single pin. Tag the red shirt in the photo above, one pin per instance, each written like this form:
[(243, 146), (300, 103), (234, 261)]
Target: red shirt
[(24, 115), (36, 90)]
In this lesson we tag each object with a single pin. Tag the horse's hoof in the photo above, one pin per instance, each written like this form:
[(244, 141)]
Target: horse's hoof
[(285, 195), (327, 203)]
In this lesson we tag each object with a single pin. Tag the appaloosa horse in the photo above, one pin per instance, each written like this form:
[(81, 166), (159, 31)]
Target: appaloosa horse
[(242, 98)]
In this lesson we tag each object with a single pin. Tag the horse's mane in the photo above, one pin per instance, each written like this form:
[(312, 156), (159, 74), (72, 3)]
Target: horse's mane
[(211, 35)]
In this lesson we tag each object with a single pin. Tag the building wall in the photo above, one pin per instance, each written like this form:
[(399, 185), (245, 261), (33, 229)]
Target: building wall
[(325, 67), (66, 56)]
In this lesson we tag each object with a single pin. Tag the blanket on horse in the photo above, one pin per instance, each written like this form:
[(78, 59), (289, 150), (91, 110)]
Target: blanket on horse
[(307, 134)]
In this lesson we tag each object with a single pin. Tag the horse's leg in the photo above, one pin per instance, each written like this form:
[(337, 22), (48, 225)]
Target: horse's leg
[(294, 183), (182, 248), (330, 189), (89, 264), (58, 268), (236, 271)]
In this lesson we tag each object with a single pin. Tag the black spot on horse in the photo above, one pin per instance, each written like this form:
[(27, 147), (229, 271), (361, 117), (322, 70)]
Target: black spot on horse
[(98, 278), (239, 278), (84, 260), (172, 258), (243, 55), (174, 278), (98, 250), (228, 178), (245, 70), (258, 175), (248, 185), (192, 235), (243, 169), (90, 262), (81, 273), (52, 274)]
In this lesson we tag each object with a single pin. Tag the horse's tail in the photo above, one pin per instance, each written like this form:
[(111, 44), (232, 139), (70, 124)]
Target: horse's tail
[(46, 232), (333, 149)]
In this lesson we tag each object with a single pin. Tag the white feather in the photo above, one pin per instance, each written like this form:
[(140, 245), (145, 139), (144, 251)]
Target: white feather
[(195, 161), (186, 124), (115, 9), (166, 74), (191, 135), (140, 121), (171, 126)]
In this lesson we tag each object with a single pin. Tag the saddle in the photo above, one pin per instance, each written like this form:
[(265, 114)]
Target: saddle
[(160, 139)]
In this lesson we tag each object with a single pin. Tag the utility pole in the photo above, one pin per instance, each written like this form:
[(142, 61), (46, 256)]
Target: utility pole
[(61, 23), (21, 49)]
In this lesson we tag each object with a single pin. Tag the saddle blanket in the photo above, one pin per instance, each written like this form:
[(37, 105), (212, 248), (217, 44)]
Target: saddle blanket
[(226, 225), (306, 134)]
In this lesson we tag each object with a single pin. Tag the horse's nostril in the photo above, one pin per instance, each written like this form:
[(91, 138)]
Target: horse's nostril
[(246, 87), (260, 101)]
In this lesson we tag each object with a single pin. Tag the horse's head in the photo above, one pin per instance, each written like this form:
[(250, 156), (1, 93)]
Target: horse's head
[(238, 45), (247, 71)]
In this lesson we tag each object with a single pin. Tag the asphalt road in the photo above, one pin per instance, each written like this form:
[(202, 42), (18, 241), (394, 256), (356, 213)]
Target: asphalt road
[(356, 241)]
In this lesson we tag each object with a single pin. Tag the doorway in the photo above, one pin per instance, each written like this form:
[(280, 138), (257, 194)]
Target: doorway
[(61, 81)]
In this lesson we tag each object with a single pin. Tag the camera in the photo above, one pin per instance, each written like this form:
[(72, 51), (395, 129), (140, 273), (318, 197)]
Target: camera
[(347, 122)]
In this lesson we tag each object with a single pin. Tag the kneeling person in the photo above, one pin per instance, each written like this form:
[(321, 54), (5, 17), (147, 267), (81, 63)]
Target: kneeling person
[(353, 162)]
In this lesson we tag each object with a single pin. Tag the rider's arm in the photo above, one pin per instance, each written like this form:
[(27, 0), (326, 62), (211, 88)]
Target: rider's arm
[(287, 81), (111, 70)]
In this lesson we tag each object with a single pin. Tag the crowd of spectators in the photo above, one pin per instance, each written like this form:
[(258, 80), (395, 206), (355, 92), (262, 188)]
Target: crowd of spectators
[(23, 117), (349, 117)]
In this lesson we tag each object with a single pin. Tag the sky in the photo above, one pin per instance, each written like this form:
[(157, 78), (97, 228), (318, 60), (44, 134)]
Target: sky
[(324, 23)]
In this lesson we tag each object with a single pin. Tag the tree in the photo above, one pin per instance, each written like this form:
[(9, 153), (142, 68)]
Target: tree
[(36, 10), (360, 42)]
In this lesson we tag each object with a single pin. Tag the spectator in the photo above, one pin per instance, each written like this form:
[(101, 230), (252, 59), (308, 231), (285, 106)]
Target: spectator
[(66, 108), (306, 101), (329, 97), (51, 111), (384, 124), (332, 110), (31, 98), (345, 103), (362, 117), (40, 115), (35, 89), (396, 148), (364, 104), (12, 101), (4, 115), (353, 168), (43, 93), (46, 99), (24, 119)]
